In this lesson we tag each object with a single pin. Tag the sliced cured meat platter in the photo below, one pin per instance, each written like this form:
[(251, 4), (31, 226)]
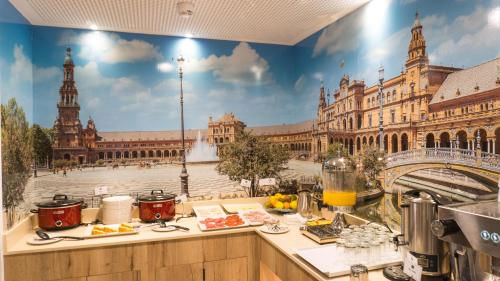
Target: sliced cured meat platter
[(222, 222), (258, 217)]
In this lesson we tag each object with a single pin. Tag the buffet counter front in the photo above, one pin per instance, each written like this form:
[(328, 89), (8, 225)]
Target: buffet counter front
[(241, 254)]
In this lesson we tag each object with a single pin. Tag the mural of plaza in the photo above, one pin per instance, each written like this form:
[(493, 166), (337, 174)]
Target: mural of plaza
[(107, 103)]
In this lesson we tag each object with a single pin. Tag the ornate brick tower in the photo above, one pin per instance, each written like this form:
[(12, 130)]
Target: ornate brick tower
[(72, 142), (67, 125), (322, 102), (416, 48)]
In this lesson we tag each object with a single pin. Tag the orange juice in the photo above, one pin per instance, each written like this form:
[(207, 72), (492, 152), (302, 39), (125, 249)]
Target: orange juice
[(339, 198)]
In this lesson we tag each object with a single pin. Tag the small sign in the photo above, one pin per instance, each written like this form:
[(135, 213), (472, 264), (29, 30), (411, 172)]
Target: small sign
[(267, 181), (411, 267), (101, 190), (246, 183)]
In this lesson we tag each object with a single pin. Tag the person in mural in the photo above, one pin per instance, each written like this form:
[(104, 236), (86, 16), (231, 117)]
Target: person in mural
[(16, 157)]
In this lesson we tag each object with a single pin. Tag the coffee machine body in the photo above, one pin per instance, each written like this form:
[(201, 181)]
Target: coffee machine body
[(472, 230), (419, 210)]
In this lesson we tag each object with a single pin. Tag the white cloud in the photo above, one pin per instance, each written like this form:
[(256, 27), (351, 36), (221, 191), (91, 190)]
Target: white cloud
[(387, 48), (110, 48), (244, 66), (128, 94), (466, 40), (18, 77), (89, 79), (318, 76), (299, 84), (339, 37), (165, 67), (21, 69), (494, 17)]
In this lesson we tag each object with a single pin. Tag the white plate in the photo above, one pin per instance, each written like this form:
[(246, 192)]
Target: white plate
[(38, 241), (164, 229), (283, 229)]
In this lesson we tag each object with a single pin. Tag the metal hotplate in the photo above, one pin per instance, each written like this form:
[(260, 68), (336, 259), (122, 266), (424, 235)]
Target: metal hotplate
[(479, 223)]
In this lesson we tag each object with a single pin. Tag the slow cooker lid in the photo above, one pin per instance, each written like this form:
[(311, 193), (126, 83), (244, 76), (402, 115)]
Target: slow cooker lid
[(59, 200), (156, 195)]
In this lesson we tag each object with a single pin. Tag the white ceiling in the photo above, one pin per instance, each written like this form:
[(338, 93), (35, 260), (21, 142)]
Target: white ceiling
[(265, 21)]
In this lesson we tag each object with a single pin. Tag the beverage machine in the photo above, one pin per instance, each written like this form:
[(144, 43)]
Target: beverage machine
[(473, 232), (419, 209)]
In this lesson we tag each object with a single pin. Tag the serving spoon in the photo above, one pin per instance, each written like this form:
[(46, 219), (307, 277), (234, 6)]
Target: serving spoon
[(45, 236)]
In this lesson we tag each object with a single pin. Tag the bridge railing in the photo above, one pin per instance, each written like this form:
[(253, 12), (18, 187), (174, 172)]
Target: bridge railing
[(491, 160), (445, 155)]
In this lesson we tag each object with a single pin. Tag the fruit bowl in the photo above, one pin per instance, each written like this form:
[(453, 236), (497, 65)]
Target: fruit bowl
[(282, 203)]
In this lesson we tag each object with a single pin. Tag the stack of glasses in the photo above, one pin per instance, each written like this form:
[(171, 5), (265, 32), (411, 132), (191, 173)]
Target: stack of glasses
[(365, 244)]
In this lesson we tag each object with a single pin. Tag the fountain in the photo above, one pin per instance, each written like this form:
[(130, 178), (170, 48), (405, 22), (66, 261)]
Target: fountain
[(202, 152)]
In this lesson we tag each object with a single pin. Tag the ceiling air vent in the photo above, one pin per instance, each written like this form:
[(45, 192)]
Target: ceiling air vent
[(185, 8)]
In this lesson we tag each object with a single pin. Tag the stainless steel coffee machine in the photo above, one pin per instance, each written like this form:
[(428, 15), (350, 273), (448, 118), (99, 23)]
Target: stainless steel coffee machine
[(473, 233), (419, 209)]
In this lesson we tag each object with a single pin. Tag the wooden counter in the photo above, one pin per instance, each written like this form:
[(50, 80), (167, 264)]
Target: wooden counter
[(244, 254)]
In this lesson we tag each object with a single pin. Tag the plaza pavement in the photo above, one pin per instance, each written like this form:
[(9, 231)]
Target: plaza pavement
[(203, 181)]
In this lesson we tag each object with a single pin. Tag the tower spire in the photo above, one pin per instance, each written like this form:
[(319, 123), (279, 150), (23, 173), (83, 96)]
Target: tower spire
[(417, 47), (322, 100)]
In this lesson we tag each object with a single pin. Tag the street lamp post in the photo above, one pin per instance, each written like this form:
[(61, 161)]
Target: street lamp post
[(184, 175), (381, 111)]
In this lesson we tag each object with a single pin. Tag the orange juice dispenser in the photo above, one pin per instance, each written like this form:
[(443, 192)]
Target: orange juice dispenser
[(339, 190)]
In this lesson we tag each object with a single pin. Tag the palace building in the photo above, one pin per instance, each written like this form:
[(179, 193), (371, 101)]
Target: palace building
[(424, 106), (87, 145)]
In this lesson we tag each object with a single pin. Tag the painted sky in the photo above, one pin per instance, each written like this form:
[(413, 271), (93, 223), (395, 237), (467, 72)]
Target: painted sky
[(129, 82), (458, 33), (16, 74)]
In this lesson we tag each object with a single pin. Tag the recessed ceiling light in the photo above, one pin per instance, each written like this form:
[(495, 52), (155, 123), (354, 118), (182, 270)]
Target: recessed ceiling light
[(188, 35), (94, 27)]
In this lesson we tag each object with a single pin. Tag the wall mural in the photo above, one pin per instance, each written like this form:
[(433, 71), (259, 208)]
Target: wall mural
[(108, 102)]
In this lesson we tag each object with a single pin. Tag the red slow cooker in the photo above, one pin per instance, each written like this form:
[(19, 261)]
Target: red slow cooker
[(156, 206), (59, 213)]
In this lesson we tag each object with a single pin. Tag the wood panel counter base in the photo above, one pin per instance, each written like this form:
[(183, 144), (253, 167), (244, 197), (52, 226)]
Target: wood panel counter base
[(228, 257)]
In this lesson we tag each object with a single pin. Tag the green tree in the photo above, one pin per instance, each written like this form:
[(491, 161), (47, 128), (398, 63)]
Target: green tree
[(251, 157), (337, 149), (61, 163), (16, 157), (42, 144), (373, 163)]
